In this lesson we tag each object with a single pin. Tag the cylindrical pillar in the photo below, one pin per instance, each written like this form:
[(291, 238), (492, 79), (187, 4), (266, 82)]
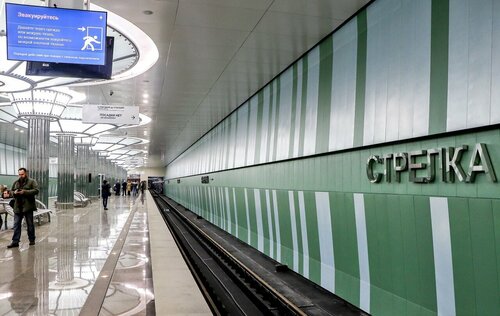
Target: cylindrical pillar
[(93, 167), (38, 154), (65, 171), (65, 251), (82, 161)]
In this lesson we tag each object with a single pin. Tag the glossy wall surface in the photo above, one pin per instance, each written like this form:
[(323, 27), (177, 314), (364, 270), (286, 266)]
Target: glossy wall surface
[(289, 170)]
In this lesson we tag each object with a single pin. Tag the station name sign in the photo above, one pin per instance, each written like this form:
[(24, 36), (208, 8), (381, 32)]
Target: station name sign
[(436, 164)]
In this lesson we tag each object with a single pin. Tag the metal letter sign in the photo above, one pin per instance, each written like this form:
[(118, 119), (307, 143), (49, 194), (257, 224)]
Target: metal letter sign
[(424, 165), (36, 33), (110, 114)]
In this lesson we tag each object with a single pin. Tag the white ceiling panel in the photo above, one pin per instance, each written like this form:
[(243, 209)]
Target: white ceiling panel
[(340, 9), (207, 15), (244, 4), (214, 54)]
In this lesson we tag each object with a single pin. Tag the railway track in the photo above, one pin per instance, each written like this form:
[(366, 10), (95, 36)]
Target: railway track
[(229, 286)]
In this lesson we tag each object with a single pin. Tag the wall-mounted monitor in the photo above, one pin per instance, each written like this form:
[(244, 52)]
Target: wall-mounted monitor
[(36, 68), (46, 34)]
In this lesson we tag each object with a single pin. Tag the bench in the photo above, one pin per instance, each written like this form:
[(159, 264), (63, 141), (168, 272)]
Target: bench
[(5, 209), (38, 215), (80, 199), (41, 210)]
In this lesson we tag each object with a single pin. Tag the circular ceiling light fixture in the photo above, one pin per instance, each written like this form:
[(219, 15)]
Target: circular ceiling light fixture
[(12, 83)]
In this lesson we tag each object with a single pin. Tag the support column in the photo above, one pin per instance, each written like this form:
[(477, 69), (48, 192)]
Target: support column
[(38, 154), (65, 251), (94, 169), (66, 171), (83, 153)]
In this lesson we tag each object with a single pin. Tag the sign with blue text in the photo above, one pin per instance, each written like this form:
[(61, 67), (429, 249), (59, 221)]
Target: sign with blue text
[(56, 35)]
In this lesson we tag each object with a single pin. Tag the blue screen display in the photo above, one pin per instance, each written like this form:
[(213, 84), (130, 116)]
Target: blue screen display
[(55, 35)]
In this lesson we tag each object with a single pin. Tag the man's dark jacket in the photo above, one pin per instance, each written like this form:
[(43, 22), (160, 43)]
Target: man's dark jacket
[(25, 202)]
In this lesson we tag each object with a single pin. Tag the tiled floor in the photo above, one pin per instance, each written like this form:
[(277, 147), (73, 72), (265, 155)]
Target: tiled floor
[(84, 259)]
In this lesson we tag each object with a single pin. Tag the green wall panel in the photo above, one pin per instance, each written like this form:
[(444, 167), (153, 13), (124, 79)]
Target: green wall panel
[(398, 70), (345, 246), (400, 242)]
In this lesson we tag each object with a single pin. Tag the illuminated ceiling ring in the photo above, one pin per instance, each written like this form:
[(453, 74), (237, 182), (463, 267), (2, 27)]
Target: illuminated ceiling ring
[(40, 103), (12, 83)]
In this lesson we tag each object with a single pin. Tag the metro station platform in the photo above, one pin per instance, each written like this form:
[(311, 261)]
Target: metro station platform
[(88, 261)]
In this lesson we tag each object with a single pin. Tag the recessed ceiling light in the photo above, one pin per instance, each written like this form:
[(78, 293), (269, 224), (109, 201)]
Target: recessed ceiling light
[(147, 12)]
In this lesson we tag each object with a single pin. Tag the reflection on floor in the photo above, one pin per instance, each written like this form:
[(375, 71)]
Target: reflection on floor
[(82, 263)]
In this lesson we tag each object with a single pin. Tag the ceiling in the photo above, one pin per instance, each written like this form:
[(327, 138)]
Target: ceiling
[(213, 55)]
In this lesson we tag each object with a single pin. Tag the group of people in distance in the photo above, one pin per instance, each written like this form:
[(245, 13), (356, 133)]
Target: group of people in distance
[(127, 188)]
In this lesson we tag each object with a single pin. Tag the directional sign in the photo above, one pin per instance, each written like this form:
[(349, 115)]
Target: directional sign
[(135, 161), (45, 34), (110, 114)]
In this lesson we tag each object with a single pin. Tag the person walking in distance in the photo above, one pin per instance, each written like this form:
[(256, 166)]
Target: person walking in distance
[(105, 193), (24, 190)]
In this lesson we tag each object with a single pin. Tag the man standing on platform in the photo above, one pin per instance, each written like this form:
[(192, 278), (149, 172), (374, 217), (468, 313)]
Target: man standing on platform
[(105, 193), (24, 190)]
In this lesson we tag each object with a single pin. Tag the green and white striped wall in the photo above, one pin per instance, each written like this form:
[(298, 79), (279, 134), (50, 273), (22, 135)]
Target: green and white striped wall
[(288, 167)]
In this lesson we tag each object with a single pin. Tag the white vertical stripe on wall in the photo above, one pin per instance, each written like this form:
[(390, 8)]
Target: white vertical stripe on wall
[(241, 135), (312, 102), (325, 234), (443, 260), (237, 233), (205, 158), (377, 59), (210, 205), (224, 134), (397, 80), (417, 64), (220, 147), (272, 130), (364, 265), (228, 210), (343, 87), (303, 228), (470, 69), (215, 210), (285, 118), (264, 138), (270, 224), (232, 140), (277, 225), (247, 211), (212, 145), (295, 242), (260, 226), (223, 208), (252, 130), (298, 110), (198, 193)]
